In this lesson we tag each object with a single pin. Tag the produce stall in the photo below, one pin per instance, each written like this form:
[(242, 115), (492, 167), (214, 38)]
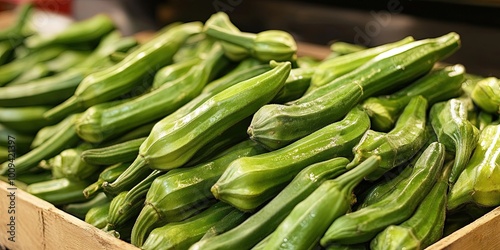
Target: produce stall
[(202, 134)]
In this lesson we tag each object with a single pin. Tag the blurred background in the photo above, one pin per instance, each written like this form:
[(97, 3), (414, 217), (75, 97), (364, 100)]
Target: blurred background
[(370, 22)]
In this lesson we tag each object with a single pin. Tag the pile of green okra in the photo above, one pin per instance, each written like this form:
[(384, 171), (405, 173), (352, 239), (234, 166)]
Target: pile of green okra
[(207, 137)]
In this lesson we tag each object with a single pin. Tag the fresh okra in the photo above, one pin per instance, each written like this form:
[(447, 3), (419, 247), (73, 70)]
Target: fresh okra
[(363, 224), (59, 191), (121, 152), (486, 94), (449, 120), (400, 144), (265, 46), (479, 181), (309, 220), (122, 77), (265, 220), (425, 226), (438, 85), (109, 174), (181, 235), (66, 137), (181, 193)]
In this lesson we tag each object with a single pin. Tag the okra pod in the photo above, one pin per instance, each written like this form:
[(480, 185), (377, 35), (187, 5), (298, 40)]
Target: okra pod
[(479, 181), (449, 121), (81, 209), (98, 215), (59, 191), (122, 77), (265, 220), (109, 174), (27, 120), (266, 46), (181, 235), (121, 152), (96, 125), (62, 139), (486, 95), (309, 220), (89, 30), (362, 225)]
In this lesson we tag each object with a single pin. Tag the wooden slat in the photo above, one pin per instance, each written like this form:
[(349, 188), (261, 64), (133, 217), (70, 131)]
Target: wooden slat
[(482, 234), (40, 225)]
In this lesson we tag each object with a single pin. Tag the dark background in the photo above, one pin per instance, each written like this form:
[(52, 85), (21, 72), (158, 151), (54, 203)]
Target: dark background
[(369, 23)]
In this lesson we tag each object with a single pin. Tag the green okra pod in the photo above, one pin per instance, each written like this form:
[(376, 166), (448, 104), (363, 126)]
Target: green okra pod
[(59, 191), (81, 209), (266, 46), (295, 86), (362, 225), (486, 95), (449, 121), (40, 70), (278, 125), (397, 146), (425, 226), (19, 29), (27, 120), (168, 147), (309, 220), (57, 88), (265, 220), (121, 152), (98, 215), (96, 125), (122, 77), (14, 69), (437, 86), (23, 141), (183, 192), (479, 181), (68, 164), (333, 68), (173, 71), (89, 30), (66, 137), (230, 221), (250, 181), (181, 235)]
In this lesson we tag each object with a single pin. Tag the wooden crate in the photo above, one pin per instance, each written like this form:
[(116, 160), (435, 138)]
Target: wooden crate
[(40, 225)]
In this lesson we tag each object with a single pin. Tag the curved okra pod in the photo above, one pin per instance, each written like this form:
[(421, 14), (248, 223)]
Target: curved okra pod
[(425, 226), (449, 120), (479, 182), (122, 77), (98, 215), (397, 146), (309, 220), (439, 85), (109, 174), (362, 225), (181, 235), (295, 85), (59, 191), (265, 220), (250, 181)]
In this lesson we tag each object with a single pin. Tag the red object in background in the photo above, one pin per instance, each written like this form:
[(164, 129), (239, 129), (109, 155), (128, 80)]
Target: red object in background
[(58, 6)]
